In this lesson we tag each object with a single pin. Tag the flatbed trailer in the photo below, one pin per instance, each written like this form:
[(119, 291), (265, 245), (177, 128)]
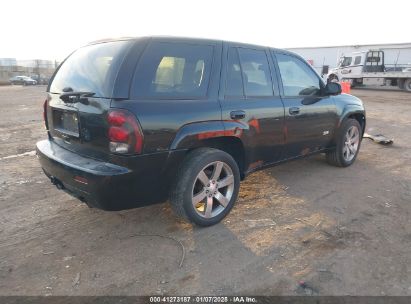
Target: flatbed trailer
[(364, 68)]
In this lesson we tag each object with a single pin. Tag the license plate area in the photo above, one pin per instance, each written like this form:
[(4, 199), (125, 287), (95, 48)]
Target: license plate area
[(66, 122)]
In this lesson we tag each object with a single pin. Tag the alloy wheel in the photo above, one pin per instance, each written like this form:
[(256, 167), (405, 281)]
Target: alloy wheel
[(351, 143), (212, 189)]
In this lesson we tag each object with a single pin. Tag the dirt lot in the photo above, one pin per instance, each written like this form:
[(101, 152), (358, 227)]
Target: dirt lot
[(343, 231)]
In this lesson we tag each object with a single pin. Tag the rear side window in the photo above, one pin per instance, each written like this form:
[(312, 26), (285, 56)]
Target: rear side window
[(234, 81), (91, 68), (256, 72), (173, 70)]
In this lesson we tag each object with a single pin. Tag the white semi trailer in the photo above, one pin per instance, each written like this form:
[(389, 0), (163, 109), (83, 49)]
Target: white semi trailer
[(367, 68)]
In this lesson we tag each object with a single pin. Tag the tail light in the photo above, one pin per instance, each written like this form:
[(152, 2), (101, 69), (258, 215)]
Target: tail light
[(45, 114), (124, 133)]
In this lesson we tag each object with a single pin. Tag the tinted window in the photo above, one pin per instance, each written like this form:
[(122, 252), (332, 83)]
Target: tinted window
[(234, 82), (173, 70), (298, 79), (255, 72), (92, 68), (357, 60)]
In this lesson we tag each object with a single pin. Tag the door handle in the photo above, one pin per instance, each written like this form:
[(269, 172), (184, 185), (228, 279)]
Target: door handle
[(294, 111), (237, 114)]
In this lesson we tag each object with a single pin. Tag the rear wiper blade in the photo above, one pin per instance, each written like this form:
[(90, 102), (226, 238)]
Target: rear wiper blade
[(78, 96)]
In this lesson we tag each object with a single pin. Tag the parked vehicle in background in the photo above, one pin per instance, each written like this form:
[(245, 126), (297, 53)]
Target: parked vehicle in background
[(139, 121), (22, 80), (368, 68), (40, 80)]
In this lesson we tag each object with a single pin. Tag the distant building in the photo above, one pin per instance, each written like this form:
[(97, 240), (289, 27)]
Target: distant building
[(395, 54), (34, 63), (36, 68), (8, 62)]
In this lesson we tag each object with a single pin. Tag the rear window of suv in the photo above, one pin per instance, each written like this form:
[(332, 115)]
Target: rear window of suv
[(173, 71), (92, 68)]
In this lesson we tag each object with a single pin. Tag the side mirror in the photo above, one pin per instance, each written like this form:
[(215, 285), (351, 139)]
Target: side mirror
[(332, 88)]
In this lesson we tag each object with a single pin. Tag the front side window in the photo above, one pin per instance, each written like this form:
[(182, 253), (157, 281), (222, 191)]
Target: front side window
[(255, 72), (173, 70), (298, 79), (357, 60), (346, 61)]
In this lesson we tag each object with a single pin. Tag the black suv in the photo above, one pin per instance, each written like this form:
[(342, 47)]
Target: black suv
[(138, 121)]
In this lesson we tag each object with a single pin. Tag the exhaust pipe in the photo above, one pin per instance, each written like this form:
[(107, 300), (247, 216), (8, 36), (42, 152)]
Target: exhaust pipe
[(59, 185)]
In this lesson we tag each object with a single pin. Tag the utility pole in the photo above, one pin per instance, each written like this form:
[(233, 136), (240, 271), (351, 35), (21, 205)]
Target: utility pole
[(38, 69)]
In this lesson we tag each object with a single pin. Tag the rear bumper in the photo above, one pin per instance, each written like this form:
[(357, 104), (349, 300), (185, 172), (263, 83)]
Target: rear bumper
[(105, 185)]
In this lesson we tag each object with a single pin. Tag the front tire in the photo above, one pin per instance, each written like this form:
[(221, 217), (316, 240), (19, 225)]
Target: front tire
[(206, 186), (348, 142)]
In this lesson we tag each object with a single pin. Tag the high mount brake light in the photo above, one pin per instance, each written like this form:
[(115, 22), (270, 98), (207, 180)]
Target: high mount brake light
[(124, 132)]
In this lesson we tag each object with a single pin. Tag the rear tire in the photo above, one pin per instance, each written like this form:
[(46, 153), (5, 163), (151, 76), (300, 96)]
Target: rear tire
[(401, 83), (206, 186), (348, 142), (407, 85)]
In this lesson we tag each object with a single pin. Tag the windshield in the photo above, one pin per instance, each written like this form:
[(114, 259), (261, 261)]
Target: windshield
[(91, 68)]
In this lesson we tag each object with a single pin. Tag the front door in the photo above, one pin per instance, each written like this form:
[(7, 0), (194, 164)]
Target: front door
[(310, 117)]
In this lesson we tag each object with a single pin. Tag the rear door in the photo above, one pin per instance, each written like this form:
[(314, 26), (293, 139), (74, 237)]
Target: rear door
[(250, 96), (79, 123), (310, 117)]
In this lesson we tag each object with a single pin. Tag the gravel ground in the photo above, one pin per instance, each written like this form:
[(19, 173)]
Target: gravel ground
[(342, 231)]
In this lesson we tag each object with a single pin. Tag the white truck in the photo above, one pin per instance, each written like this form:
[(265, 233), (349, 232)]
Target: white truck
[(367, 68)]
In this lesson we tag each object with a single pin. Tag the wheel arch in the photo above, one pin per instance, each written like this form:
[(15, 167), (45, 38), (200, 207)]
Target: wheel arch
[(231, 145), (354, 112), (212, 135)]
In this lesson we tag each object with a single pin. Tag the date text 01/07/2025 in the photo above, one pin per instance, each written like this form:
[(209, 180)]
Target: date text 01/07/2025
[(202, 299)]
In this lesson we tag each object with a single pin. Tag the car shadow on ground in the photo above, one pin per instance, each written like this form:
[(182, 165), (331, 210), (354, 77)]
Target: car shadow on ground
[(300, 221)]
